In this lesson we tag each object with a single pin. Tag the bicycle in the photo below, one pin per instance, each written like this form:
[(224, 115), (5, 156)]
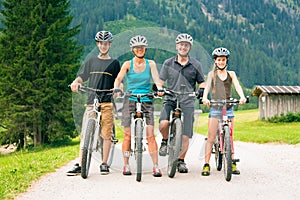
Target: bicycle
[(93, 141), (223, 145), (137, 131), (175, 131)]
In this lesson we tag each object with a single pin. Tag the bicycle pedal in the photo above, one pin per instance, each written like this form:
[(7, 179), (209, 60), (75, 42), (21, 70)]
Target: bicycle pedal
[(115, 141), (235, 160)]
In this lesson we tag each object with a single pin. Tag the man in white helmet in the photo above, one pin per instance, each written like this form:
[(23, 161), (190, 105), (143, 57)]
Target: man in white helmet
[(180, 70)]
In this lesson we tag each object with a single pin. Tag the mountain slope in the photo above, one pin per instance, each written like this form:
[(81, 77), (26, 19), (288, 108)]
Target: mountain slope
[(263, 36)]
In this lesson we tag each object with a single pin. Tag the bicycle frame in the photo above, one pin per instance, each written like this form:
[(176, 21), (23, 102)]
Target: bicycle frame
[(92, 140), (224, 121), (223, 148), (175, 131), (138, 132)]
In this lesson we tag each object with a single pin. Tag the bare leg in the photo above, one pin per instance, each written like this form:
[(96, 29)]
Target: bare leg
[(212, 130), (106, 149), (152, 145), (126, 145), (164, 128), (185, 146)]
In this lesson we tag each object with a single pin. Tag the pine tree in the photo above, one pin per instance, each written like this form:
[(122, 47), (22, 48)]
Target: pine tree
[(39, 58)]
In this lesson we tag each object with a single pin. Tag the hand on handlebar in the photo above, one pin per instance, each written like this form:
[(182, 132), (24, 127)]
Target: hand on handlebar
[(75, 86), (206, 102), (160, 92), (118, 92), (243, 100)]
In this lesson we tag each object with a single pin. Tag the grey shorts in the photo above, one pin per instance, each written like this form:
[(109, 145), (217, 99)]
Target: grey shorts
[(129, 107), (188, 119)]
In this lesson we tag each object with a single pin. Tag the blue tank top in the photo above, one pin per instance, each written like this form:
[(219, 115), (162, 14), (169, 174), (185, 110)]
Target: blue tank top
[(138, 83)]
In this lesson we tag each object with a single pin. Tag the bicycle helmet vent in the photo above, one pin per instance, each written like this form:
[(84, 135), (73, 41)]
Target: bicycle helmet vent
[(104, 36), (138, 40), (220, 52), (183, 37)]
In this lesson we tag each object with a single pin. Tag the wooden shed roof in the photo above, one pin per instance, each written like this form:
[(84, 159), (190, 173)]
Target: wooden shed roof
[(276, 90)]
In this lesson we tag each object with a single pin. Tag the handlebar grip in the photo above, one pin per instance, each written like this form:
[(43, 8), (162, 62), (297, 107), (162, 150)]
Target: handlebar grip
[(247, 99)]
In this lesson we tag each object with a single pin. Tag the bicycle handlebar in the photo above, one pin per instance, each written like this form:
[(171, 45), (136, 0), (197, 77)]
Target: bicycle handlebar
[(84, 89), (172, 93), (227, 101), (149, 95)]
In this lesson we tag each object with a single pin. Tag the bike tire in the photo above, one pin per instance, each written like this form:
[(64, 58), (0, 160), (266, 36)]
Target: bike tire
[(139, 148), (175, 142), (112, 148), (227, 159), (100, 143), (99, 149), (218, 154), (87, 148)]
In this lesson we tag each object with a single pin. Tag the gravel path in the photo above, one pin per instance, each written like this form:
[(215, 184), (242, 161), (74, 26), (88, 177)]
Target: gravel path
[(268, 171)]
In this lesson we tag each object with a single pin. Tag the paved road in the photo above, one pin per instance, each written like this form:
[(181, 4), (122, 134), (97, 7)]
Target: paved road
[(267, 172)]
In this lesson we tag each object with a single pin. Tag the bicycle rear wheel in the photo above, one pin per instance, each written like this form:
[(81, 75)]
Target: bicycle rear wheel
[(139, 148), (175, 141), (227, 160), (218, 154), (100, 142), (112, 147), (87, 148)]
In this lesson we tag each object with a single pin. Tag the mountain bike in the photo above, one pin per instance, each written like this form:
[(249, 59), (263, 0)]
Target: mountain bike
[(223, 145), (175, 131), (93, 140), (137, 132)]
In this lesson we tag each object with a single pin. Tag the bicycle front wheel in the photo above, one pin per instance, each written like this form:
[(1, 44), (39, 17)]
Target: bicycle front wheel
[(218, 154), (87, 148), (139, 148), (227, 159), (175, 141)]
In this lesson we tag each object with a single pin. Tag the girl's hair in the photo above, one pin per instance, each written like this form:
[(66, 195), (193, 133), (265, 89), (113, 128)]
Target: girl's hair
[(214, 70)]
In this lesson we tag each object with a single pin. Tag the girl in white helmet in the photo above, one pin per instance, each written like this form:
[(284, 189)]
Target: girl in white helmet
[(220, 80)]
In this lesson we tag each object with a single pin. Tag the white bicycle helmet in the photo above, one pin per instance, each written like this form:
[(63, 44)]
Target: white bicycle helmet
[(104, 36), (183, 37), (221, 51), (138, 40)]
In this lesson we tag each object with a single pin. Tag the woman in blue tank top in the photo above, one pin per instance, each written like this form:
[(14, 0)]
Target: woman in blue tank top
[(138, 72)]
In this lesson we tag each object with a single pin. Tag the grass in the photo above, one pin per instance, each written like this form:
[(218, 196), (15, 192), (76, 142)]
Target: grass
[(18, 170), (248, 128)]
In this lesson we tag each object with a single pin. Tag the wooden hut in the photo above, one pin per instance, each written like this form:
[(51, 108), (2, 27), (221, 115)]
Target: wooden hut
[(275, 100)]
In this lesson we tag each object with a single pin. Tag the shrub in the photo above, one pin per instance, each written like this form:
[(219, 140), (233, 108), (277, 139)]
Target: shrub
[(290, 117)]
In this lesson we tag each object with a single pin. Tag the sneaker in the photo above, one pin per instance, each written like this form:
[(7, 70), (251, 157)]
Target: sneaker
[(206, 170), (156, 172), (235, 170), (75, 171), (104, 169), (181, 167), (163, 148), (126, 170)]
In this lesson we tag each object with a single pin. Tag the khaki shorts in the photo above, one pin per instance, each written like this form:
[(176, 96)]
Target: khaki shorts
[(107, 120)]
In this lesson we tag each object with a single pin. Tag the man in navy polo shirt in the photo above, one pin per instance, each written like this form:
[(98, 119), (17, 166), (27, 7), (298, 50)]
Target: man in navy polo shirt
[(177, 71)]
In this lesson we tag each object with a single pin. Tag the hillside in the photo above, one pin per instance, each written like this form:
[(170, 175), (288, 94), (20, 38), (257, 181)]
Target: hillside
[(263, 36)]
